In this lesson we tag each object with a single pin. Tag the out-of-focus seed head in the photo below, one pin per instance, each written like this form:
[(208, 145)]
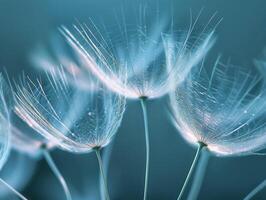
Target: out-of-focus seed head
[(4, 122)]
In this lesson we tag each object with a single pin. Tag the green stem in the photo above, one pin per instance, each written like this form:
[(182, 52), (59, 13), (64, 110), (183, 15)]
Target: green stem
[(256, 190), (13, 189), (99, 158), (57, 173), (199, 176), (193, 165), (145, 118)]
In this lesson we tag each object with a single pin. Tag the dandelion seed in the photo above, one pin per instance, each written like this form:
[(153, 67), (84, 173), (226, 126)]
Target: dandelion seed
[(26, 140), (137, 68), (23, 137), (146, 63), (59, 112), (223, 111)]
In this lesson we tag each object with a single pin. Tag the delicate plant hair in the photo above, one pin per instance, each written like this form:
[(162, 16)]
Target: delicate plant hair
[(23, 137), (145, 62), (59, 58), (75, 119), (224, 109)]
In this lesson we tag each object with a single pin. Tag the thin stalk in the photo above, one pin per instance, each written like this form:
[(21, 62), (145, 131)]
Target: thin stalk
[(57, 173), (99, 158), (193, 165), (147, 140), (199, 176), (106, 162), (256, 190), (13, 189)]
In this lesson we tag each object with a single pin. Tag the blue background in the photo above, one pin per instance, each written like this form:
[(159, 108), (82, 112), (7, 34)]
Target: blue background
[(241, 38)]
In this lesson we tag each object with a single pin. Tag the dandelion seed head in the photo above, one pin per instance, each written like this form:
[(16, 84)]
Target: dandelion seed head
[(59, 112), (147, 61), (224, 109)]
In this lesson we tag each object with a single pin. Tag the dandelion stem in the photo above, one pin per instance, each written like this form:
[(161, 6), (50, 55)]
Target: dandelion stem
[(12, 189), (256, 190), (191, 170), (145, 118), (57, 173), (199, 176), (98, 154)]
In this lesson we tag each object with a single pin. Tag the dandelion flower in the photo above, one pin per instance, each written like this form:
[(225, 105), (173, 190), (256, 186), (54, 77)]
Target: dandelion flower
[(77, 120), (223, 111)]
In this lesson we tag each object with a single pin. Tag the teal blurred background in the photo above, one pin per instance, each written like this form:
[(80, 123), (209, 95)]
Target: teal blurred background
[(241, 38)]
